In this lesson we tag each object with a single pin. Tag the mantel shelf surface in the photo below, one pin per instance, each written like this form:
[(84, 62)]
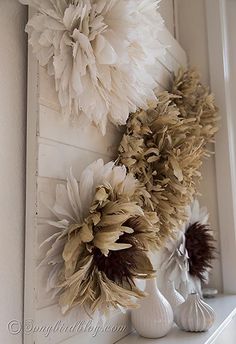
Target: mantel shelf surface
[(225, 309)]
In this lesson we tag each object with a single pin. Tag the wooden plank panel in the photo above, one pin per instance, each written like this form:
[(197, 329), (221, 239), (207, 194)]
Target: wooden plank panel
[(53, 126), (47, 92), (71, 333), (31, 194), (119, 326), (46, 193), (43, 232), (55, 159), (52, 317), (44, 298)]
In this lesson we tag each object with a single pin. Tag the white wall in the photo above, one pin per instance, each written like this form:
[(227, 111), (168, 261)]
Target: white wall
[(193, 38), (12, 157)]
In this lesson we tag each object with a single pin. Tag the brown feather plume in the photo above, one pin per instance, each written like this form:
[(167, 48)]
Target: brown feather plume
[(201, 249)]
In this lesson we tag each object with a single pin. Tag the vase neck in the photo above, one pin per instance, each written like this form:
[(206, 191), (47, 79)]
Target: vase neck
[(170, 284), (194, 296), (151, 286)]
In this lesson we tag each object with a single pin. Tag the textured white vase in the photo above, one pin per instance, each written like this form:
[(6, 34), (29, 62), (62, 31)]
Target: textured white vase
[(172, 295), (194, 315), (154, 317)]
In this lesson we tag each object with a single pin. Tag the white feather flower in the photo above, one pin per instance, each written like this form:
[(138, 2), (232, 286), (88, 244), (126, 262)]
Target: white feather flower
[(195, 213), (102, 54), (175, 260), (100, 241), (175, 257), (73, 202)]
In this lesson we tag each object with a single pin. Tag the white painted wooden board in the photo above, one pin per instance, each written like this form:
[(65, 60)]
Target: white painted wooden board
[(13, 57), (54, 145)]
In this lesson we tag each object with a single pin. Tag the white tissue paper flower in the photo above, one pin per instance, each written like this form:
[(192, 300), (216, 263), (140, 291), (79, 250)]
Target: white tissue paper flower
[(102, 54)]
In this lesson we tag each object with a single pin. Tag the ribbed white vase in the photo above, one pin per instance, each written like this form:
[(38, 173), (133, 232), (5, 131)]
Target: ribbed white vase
[(194, 315), (154, 317), (172, 295)]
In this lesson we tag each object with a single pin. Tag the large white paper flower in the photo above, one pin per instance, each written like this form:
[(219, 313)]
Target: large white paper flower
[(102, 54)]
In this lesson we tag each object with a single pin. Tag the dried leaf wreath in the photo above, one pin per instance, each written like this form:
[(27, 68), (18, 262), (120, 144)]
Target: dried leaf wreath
[(101, 241), (102, 54), (164, 146)]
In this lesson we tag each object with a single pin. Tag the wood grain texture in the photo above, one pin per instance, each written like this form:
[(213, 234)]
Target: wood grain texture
[(77, 327), (31, 194), (54, 127), (55, 159)]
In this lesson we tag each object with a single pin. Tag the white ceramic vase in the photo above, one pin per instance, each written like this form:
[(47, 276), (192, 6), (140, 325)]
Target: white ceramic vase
[(194, 315), (154, 317), (172, 295)]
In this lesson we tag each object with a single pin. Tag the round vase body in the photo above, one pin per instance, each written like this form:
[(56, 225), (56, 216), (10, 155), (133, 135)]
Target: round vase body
[(194, 315), (154, 317)]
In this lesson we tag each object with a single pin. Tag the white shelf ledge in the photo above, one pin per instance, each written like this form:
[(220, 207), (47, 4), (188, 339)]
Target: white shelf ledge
[(225, 309)]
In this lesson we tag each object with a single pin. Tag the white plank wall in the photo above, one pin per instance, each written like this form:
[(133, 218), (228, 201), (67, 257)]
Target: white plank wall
[(54, 145)]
